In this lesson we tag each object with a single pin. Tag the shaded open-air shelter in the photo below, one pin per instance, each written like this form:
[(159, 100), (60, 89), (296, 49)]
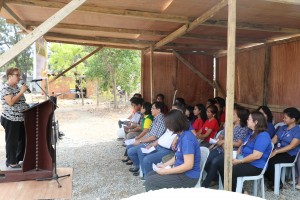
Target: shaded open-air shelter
[(253, 45)]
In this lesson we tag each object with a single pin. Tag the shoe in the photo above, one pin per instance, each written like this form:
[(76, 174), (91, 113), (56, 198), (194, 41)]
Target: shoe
[(298, 187), (134, 169), (14, 166), (123, 145), (136, 173), (129, 162), (125, 160)]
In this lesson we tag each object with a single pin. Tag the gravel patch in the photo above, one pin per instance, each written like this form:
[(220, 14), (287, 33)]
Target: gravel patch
[(91, 148)]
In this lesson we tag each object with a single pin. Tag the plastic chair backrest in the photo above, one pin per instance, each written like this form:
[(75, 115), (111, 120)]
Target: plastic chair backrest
[(265, 167), (204, 155), (278, 125)]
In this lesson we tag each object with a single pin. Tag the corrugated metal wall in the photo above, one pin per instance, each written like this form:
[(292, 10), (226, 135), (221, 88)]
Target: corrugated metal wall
[(283, 82), (170, 75)]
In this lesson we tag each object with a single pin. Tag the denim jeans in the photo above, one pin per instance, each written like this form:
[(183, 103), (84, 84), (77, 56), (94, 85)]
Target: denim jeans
[(132, 152), (154, 157)]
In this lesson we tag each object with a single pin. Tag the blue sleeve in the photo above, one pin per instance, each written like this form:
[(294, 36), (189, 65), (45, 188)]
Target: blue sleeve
[(262, 142), (297, 134), (187, 146)]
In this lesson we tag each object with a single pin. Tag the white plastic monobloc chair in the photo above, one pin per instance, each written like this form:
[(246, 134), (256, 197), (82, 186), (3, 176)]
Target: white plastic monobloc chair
[(240, 180), (204, 155), (281, 173)]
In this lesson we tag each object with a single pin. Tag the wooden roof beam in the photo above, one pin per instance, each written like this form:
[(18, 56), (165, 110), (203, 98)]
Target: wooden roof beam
[(1, 4), (129, 42), (252, 27), (292, 2), (40, 31), (108, 11), (15, 17), (190, 26)]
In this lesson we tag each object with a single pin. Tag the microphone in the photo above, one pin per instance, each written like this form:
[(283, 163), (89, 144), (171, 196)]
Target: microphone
[(36, 80), (28, 90)]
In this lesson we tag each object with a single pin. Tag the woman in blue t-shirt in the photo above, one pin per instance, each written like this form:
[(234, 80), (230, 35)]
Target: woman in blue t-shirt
[(254, 152), (186, 170), (286, 142)]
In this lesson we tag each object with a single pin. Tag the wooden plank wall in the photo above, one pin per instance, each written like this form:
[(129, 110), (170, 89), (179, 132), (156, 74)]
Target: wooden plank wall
[(283, 78), (170, 75)]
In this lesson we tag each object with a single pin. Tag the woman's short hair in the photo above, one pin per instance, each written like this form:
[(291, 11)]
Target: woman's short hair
[(180, 100), (147, 106), (11, 71), (268, 112), (292, 113), (176, 121), (180, 106), (243, 114), (261, 124), (161, 96)]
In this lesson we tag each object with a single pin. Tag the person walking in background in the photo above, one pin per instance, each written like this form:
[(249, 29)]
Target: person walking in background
[(12, 119)]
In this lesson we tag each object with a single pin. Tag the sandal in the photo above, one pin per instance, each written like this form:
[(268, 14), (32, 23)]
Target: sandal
[(125, 160)]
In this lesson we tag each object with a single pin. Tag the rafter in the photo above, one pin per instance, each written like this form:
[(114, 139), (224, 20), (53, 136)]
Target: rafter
[(15, 17), (190, 26), (292, 2), (109, 11), (129, 42), (40, 31), (250, 26), (143, 32)]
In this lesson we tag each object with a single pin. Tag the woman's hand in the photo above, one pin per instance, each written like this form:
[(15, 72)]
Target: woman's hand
[(273, 153), (149, 146), (236, 162), (136, 143), (162, 171)]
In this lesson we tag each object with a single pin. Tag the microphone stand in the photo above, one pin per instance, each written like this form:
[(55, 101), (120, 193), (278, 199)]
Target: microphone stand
[(54, 138)]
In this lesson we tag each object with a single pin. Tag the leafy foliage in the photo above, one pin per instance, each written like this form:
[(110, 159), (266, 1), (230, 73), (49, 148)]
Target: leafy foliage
[(10, 35)]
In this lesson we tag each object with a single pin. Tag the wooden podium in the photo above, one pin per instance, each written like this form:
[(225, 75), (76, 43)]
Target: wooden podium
[(39, 153)]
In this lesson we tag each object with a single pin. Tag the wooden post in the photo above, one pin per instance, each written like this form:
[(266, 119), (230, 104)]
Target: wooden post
[(77, 63), (39, 31), (151, 73), (266, 75), (230, 94)]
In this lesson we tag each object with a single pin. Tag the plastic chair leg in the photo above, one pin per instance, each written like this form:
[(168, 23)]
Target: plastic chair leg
[(262, 186), (220, 183), (255, 188), (283, 173), (294, 177), (277, 179), (239, 184)]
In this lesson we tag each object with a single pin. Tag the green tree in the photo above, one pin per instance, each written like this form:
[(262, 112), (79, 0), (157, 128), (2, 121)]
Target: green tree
[(9, 36), (113, 67)]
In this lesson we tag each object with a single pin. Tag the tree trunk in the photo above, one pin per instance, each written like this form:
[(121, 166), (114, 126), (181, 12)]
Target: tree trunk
[(81, 91), (97, 91), (114, 89)]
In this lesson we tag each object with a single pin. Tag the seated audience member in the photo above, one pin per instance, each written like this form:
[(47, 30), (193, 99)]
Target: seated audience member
[(136, 95), (220, 103), (186, 170), (216, 156), (137, 116), (253, 153), (146, 123), (180, 100), (286, 142), (210, 102), (201, 117), (165, 145), (157, 128), (189, 113), (268, 115), (161, 98), (210, 126)]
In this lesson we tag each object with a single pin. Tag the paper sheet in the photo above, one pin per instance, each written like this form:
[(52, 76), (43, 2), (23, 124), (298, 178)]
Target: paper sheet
[(212, 141), (144, 150), (155, 168), (129, 142)]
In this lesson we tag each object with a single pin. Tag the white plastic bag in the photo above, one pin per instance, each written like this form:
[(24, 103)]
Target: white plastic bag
[(121, 132)]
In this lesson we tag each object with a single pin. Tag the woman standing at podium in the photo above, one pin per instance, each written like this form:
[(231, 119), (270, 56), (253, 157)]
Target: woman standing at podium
[(12, 119)]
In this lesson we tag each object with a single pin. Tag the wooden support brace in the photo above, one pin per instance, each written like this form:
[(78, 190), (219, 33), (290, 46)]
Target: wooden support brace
[(191, 67), (75, 64), (266, 75), (40, 31), (16, 18)]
